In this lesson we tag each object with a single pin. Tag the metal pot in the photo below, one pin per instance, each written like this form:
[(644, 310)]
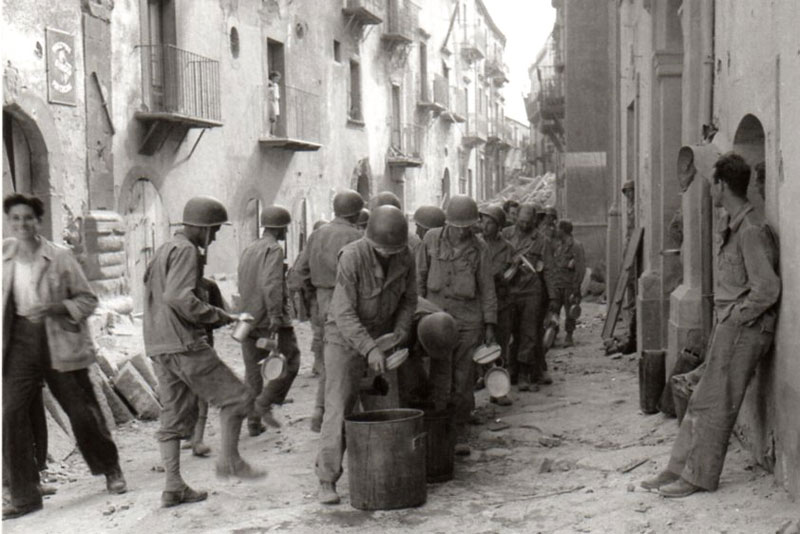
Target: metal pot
[(243, 327), (273, 367), (497, 381)]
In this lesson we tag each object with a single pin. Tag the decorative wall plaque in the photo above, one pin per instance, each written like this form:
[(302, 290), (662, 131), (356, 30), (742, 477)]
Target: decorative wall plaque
[(60, 67)]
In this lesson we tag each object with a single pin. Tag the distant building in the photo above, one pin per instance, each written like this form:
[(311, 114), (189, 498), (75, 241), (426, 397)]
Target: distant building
[(170, 100), (568, 108)]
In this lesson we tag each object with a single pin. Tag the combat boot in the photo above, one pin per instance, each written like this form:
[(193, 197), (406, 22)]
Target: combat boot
[(569, 342), (230, 464), (327, 493)]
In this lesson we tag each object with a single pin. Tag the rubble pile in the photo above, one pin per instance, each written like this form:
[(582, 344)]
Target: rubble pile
[(539, 190)]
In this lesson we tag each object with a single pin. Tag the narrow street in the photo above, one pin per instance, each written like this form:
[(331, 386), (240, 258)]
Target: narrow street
[(569, 461)]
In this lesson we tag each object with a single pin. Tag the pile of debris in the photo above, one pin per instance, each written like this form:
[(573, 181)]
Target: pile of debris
[(540, 190), (124, 382)]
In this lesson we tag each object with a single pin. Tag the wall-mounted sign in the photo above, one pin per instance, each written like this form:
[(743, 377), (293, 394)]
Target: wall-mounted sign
[(60, 67)]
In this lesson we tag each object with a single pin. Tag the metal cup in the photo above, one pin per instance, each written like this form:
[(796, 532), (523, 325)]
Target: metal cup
[(243, 327)]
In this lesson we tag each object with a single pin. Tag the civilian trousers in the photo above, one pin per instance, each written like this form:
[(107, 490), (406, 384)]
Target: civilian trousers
[(563, 300), (463, 392), (698, 453), (27, 365)]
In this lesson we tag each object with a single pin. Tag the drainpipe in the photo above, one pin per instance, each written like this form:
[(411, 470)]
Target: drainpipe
[(706, 113)]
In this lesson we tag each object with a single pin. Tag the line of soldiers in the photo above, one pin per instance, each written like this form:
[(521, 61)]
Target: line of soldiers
[(363, 276)]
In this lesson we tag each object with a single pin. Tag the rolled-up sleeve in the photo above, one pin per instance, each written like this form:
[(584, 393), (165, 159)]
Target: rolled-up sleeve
[(760, 254)]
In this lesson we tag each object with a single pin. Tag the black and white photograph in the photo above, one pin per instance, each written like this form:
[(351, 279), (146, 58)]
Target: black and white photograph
[(401, 266)]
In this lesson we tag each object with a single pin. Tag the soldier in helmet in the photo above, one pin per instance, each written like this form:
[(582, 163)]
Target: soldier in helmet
[(315, 268), (375, 294), (500, 254), (263, 293), (569, 266), (175, 322), (528, 293), (385, 198), (433, 335), (454, 273), (425, 218), (363, 219), (547, 226)]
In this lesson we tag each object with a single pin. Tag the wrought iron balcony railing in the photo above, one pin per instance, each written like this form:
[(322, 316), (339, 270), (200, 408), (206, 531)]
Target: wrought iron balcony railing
[(366, 11), (406, 145), (182, 84), (473, 42), (402, 20), (292, 121)]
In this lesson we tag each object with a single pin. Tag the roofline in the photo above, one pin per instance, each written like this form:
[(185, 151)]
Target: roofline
[(489, 19)]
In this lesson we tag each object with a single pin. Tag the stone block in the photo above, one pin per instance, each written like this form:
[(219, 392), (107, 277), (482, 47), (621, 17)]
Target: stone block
[(145, 367), (55, 410), (60, 444), (107, 363), (119, 410), (97, 377), (137, 392)]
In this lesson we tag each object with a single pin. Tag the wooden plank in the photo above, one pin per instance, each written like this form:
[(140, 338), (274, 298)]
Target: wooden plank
[(631, 250)]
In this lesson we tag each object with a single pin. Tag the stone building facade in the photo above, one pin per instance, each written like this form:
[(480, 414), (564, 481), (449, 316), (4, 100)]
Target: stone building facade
[(569, 109), (174, 98), (694, 79)]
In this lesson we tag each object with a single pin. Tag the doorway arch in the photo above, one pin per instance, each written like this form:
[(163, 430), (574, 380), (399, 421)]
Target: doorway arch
[(445, 196), (27, 158), (146, 227), (749, 142)]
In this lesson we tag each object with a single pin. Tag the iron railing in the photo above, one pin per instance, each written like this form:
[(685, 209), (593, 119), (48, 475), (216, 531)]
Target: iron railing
[(474, 40), (551, 93), (458, 101), (299, 115), (181, 82), (402, 19), (441, 90), (407, 139), (477, 125), (376, 8)]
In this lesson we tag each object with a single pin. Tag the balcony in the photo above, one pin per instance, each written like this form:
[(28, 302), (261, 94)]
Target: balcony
[(365, 12), (473, 43), (432, 100), (551, 94), (296, 125), (457, 106), (180, 89), (406, 147), (476, 131), (500, 133), (402, 20), (532, 109), (494, 68)]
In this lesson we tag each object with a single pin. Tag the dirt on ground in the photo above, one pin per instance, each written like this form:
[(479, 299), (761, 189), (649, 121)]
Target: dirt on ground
[(570, 460)]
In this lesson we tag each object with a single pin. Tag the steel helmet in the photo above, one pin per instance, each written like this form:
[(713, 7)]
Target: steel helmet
[(462, 211), (429, 217), (387, 229), (550, 210), (437, 333), (347, 203), (275, 217), (363, 218), (204, 211), (319, 224), (496, 213), (386, 198)]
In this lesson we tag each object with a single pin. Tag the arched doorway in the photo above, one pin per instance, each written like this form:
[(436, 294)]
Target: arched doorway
[(251, 223), (147, 227), (445, 187), (25, 163), (749, 142)]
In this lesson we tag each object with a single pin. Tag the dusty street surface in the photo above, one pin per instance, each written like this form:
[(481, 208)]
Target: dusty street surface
[(557, 468)]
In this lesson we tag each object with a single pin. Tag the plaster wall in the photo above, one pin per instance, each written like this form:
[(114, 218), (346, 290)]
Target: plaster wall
[(757, 70), (61, 128)]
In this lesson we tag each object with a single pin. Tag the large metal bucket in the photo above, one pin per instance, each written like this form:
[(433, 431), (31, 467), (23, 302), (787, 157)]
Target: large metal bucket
[(386, 459)]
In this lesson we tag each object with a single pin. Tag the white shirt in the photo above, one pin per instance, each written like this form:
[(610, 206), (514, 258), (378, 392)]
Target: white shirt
[(25, 295)]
